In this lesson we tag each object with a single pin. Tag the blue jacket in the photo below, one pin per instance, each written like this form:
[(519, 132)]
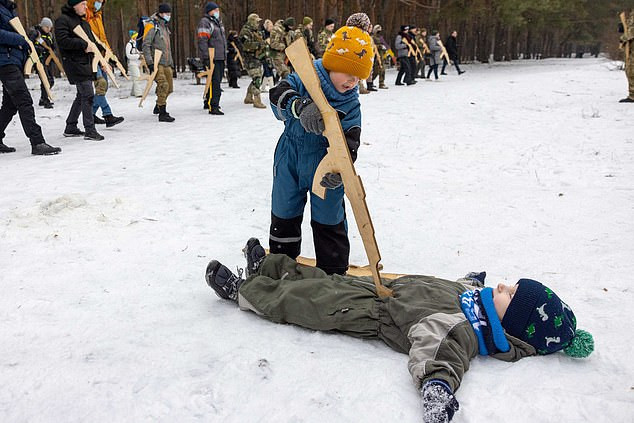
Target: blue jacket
[(13, 46)]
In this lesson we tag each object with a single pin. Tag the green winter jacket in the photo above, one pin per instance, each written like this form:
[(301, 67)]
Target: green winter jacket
[(423, 318)]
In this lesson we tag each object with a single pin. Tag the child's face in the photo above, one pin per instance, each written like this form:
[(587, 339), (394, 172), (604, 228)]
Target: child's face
[(343, 82), (502, 296)]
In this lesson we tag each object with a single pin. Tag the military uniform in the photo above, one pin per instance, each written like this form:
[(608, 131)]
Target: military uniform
[(254, 48), (379, 68), (422, 46), (281, 37), (628, 39), (308, 35), (323, 39)]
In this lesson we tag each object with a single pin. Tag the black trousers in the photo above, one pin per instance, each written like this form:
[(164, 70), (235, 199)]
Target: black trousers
[(51, 80), (404, 70), (82, 105), (332, 246), (17, 99), (456, 63), (216, 79), (433, 68)]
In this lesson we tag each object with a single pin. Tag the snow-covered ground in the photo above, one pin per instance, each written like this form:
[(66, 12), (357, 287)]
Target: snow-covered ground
[(522, 170)]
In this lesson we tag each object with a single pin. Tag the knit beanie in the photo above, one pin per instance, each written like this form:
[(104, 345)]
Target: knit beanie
[(210, 6), (307, 20), (360, 20), (377, 28), (290, 21), (404, 28), (72, 3), (329, 21), (165, 8), (538, 317), (349, 51), (47, 22)]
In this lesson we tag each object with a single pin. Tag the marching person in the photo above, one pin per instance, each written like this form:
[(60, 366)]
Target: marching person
[(94, 17), (14, 52), (434, 54), (211, 34), (42, 38), (324, 37), (402, 55), (134, 65), (627, 40), (452, 51), (77, 60), (233, 63), (157, 37), (421, 42), (306, 30), (379, 68), (254, 51)]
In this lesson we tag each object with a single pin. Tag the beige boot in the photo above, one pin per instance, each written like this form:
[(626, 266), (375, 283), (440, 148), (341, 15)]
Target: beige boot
[(257, 102), (362, 88), (249, 98)]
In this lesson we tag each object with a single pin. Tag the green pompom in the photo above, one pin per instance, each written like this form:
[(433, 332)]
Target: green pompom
[(581, 345)]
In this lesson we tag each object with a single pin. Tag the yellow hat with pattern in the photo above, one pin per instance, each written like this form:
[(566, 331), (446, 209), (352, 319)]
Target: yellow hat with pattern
[(350, 51)]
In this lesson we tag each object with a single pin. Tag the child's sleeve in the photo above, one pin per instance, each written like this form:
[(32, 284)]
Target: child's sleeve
[(282, 96), (442, 346)]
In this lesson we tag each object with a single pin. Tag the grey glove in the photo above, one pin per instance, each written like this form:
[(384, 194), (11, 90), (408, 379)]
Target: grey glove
[(331, 180), (309, 115), (439, 403)]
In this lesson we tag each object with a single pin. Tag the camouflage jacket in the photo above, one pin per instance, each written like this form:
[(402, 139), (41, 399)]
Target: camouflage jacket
[(629, 31), (309, 37), (253, 43), (422, 45), (323, 39), (380, 44)]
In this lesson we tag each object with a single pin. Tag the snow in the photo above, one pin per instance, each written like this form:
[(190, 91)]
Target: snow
[(521, 169)]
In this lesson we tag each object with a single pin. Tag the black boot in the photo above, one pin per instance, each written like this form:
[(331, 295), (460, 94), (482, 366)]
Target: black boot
[(371, 87), (205, 104), (6, 148), (98, 120), (627, 100), (43, 149), (93, 135), (216, 111), (254, 253), (223, 281), (164, 116), (156, 109), (112, 120), (73, 131)]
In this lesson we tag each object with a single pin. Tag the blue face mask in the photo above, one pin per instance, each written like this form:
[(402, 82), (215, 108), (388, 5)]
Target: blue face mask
[(167, 17), (216, 15), (98, 5)]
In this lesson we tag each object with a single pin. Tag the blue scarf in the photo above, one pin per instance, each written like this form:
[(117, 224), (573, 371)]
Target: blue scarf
[(478, 308)]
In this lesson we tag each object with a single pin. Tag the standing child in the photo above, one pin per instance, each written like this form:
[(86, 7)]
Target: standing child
[(300, 149)]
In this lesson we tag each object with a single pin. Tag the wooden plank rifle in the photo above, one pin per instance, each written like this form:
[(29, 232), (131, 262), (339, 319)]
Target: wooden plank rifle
[(52, 57), (625, 45), (150, 78), (98, 58), (238, 55), (444, 52), (33, 57), (337, 159), (110, 56), (209, 72)]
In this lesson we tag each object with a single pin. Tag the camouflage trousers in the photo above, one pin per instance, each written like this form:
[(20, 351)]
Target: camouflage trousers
[(629, 72), (164, 84), (101, 86), (378, 71), (281, 68), (254, 69)]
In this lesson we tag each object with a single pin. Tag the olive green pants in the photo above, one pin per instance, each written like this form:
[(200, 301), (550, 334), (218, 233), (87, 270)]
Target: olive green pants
[(629, 71), (281, 68), (164, 84)]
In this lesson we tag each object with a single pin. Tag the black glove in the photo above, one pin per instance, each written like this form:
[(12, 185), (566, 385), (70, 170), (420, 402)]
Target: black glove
[(309, 115), (331, 180), (439, 403)]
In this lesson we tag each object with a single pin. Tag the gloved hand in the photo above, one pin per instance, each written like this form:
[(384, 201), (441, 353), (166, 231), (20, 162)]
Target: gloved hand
[(331, 180), (309, 115), (439, 403)]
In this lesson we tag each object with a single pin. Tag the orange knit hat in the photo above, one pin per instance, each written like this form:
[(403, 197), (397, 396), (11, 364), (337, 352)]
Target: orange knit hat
[(350, 51)]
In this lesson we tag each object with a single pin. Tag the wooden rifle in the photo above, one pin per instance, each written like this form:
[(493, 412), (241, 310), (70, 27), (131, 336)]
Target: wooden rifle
[(98, 58), (33, 57), (411, 51), (378, 58), (150, 78), (444, 52), (52, 57), (338, 159), (209, 72), (625, 45), (238, 55), (110, 56)]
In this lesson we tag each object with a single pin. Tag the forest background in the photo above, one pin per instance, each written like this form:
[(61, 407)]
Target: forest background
[(498, 30)]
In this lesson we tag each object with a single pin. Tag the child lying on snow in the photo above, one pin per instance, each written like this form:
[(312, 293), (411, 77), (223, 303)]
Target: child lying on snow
[(441, 324)]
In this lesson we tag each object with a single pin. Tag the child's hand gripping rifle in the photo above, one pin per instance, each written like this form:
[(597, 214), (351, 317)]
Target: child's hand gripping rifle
[(110, 56), (209, 72), (150, 78), (33, 58), (338, 159), (98, 59)]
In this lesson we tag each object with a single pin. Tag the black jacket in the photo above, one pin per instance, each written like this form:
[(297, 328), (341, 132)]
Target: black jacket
[(452, 48), (233, 63), (77, 63), (13, 47)]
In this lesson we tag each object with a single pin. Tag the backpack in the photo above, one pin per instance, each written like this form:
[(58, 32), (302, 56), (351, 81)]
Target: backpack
[(144, 25)]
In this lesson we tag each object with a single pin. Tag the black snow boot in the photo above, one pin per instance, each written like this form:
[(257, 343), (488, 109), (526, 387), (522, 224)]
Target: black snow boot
[(6, 148), (112, 120), (43, 149), (93, 135), (627, 100), (255, 254), (73, 131), (164, 116), (223, 281), (98, 120), (216, 111), (371, 87), (156, 110)]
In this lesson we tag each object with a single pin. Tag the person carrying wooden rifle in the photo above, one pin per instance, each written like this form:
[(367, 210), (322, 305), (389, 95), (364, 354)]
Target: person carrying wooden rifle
[(416, 56), (157, 37), (380, 49), (14, 54), (421, 43), (44, 43), (347, 60), (627, 43), (211, 34), (402, 55), (234, 62), (434, 53)]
